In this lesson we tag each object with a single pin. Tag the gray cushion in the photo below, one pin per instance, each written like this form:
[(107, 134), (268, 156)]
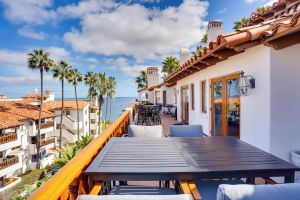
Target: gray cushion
[(208, 188), (259, 192), (136, 197), (145, 131), (186, 131), (141, 190)]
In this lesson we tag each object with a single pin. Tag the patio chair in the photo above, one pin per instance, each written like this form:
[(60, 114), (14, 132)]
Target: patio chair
[(186, 131), (145, 131), (136, 197), (289, 191)]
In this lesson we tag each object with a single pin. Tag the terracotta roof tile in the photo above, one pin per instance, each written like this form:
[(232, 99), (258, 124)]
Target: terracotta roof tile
[(68, 105), (12, 113), (268, 33)]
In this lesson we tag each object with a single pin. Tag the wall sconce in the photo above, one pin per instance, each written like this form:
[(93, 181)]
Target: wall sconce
[(246, 84)]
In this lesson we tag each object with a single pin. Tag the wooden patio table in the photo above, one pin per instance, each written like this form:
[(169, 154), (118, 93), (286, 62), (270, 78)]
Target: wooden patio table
[(160, 159)]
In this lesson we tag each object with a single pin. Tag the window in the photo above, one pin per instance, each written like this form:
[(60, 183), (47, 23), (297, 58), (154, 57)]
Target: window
[(192, 97), (203, 97)]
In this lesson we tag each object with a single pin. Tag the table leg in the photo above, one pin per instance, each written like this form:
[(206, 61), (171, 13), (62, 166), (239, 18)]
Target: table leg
[(290, 178)]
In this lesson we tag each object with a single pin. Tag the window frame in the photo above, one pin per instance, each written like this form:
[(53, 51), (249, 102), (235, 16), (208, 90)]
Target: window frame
[(192, 90), (204, 106)]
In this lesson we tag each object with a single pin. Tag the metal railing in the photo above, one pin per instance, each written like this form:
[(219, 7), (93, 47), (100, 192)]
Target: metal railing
[(8, 138), (6, 162), (70, 181)]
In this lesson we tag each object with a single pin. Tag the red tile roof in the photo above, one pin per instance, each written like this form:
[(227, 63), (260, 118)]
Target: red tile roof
[(276, 33), (275, 11), (68, 105), (13, 112)]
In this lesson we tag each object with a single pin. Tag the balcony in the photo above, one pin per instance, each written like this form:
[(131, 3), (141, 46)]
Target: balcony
[(7, 162), (48, 141), (47, 125), (9, 137), (70, 181), (94, 116)]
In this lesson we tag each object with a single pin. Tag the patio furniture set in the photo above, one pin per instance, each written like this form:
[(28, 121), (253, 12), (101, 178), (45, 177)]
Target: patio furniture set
[(199, 167), (149, 115)]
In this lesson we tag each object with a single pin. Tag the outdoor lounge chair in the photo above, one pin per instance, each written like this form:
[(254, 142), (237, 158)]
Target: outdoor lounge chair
[(145, 131), (290, 191), (136, 197), (186, 131)]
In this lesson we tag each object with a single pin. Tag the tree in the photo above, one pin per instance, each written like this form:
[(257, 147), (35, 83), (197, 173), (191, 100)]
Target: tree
[(261, 9), (239, 24), (111, 91), (90, 81), (61, 71), (170, 64), (101, 85), (39, 60), (75, 77), (204, 39), (141, 80)]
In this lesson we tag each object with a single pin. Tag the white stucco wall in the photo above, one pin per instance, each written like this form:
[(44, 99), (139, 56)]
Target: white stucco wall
[(285, 99), (255, 109)]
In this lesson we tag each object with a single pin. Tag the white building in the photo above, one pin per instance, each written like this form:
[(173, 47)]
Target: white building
[(18, 137), (209, 84)]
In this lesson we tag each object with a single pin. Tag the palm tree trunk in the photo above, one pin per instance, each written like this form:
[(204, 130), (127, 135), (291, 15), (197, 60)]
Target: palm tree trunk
[(38, 142), (61, 114), (106, 110), (110, 109), (77, 107)]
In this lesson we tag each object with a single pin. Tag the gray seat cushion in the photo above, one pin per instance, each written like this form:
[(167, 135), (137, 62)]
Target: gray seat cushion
[(141, 190), (136, 197), (208, 188), (259, 192), (145, 131), (186, 131)]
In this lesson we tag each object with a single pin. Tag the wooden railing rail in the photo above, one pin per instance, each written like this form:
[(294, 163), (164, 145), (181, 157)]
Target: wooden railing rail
[(69, 181), (47, 125), (48, 141), (8, 162), (8, 138)]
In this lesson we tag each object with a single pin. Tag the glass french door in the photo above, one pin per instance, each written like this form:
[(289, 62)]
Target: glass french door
[(185, 104), (225, 115)]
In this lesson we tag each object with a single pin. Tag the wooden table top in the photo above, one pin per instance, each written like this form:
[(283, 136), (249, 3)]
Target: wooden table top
[(184, 159)]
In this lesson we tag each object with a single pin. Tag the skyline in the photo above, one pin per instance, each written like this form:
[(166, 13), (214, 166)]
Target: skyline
[(82, 34)]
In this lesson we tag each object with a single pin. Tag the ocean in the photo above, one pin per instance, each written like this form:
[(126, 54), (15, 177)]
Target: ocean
[(119, 104)]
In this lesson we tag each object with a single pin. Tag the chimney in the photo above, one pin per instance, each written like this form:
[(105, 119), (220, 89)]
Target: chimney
[(51, 94), (152, 76), (184, 56), (214, 29)]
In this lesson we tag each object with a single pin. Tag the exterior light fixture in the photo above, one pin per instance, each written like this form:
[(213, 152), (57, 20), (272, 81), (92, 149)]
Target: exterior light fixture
[(246, 84)]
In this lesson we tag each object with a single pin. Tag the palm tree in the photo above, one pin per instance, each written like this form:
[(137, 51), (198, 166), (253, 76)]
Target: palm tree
[(204, 39), (75, 77), (239, 24), (111, 91), (261, 9), (101, 84), (170, 64), (61, 71), (141, 80), (39, 60), (90, 80)]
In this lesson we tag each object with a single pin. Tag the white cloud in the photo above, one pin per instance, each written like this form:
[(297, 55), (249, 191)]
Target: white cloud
[(10, 58), (92, 60), (28, 11), (58, 53), (26, 31), (123, 65), (269, 2), (134, 30), (223, 10)]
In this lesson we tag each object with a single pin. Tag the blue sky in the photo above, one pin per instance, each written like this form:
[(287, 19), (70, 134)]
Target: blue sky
[(117, 37)]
